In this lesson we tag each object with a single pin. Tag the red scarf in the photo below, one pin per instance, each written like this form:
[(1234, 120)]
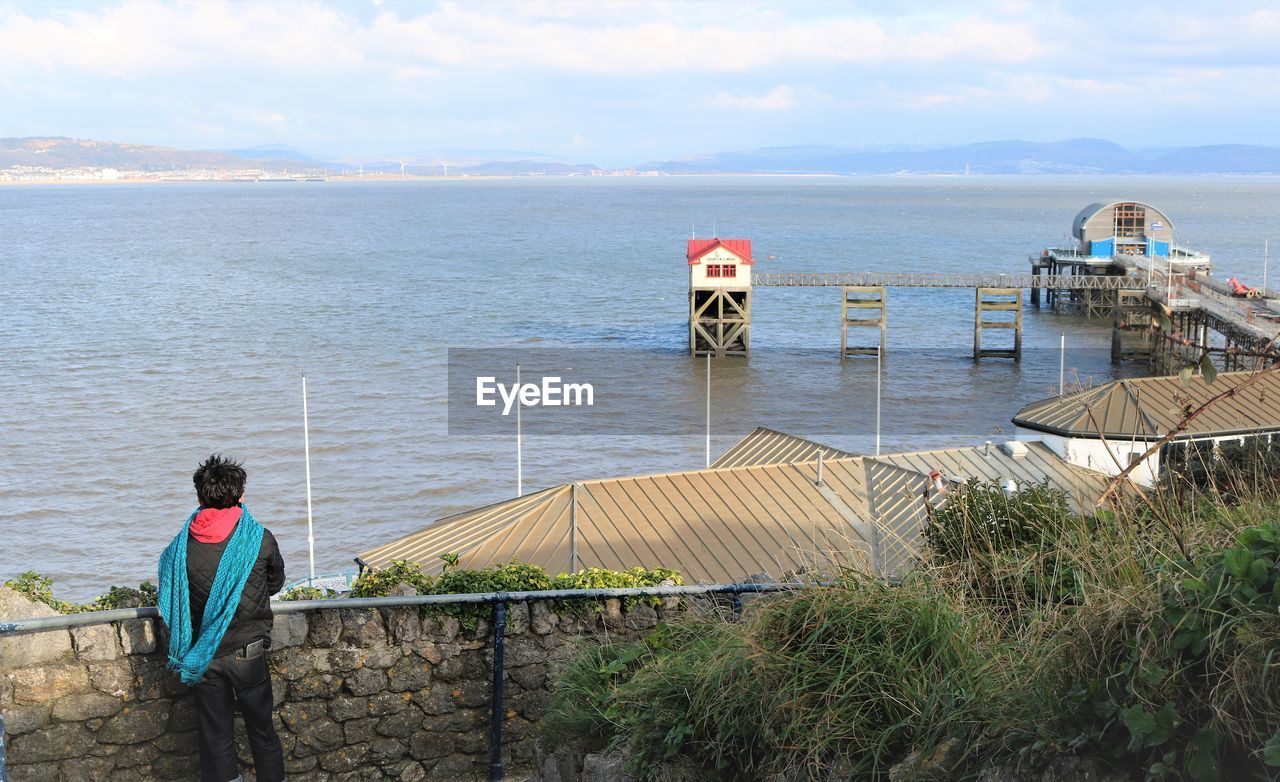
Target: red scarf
[(213, 525)]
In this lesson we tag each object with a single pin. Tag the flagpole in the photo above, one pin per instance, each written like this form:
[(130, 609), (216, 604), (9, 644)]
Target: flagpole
[(1062, 364), (708, 410), (879, 365), (306, 446), (1265, 248)]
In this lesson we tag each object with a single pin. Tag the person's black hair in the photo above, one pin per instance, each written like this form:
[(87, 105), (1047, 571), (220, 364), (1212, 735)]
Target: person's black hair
[(219, 482)]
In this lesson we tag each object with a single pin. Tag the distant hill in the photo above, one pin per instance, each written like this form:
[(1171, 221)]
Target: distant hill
[(523, 167), (62, 153), (278, 152), (1072, 156)]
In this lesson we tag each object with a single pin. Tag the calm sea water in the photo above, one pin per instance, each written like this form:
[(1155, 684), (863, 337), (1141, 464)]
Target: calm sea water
[(144, 327)]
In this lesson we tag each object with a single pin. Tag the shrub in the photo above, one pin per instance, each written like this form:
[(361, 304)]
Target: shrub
[(584, 710), (1007, 546), (693, 695), (600, 578), (302, 592), (126, 597), (1175, 681), (906, 655), (39, 588), (511, 577), (379, 583), (831, 682)]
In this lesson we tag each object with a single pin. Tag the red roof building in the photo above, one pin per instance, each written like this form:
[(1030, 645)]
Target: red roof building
[(698, 248)]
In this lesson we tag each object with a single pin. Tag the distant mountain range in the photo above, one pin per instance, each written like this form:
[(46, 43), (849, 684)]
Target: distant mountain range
[(66, 153), (1073, 156)]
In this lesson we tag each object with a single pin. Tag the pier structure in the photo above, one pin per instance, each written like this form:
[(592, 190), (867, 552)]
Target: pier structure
[(1106, 234), (995, 295), (998, 302), (719, 297), (1166, 307), (1131, 326), (864, 306)]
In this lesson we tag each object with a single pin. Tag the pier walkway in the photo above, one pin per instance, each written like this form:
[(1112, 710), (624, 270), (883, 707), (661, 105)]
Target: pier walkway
[(1086, 282), (1255, 318)]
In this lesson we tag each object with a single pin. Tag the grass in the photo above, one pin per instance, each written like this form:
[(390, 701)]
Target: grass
[(1146, 635)]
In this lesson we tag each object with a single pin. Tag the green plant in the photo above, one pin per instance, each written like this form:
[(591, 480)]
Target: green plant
[(126, 597), (379, 583), (1175, 681), (584, 709), (511, 577), (1008, 545), (600, 578), (302, 592), (39, 588)]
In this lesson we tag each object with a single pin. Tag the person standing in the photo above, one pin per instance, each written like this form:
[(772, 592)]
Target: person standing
[(216, 579)]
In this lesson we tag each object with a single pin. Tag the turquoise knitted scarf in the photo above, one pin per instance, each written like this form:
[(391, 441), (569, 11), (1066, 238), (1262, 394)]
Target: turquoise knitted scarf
[(191, 657)]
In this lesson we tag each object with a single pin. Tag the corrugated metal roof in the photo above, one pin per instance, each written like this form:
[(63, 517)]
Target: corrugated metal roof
[(993, 463), (1149, 408), (710, 525), (700, 247), (768, 446), (725, 524)]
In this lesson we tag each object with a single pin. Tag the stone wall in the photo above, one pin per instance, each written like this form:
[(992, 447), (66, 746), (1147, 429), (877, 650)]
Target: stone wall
[(360, 694)]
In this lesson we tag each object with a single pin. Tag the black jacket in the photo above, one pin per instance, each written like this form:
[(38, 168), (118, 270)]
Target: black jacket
[(252, 619)]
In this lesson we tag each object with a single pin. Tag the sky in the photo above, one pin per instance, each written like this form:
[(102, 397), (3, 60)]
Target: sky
[(618, 83)]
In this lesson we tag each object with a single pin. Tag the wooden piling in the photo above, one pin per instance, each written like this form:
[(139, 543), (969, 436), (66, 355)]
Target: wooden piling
[(997, 300), (868, 301), (720, 321)]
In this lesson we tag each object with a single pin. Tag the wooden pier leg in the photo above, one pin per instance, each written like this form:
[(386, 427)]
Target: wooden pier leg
[(720, 321), (997, 300), (870, 302), (977, 324)]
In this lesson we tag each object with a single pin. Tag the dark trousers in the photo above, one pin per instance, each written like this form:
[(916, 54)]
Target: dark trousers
[(234, 679)]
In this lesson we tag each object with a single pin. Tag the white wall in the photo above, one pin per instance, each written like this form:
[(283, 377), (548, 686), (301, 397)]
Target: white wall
[(721, 255), (1108, 458)]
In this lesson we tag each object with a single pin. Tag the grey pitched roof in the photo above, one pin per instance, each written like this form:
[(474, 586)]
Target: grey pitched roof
[(1149, 408)]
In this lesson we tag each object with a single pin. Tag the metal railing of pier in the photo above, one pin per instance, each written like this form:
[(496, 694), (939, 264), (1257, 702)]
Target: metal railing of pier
[(498, 600), (1097, 282)]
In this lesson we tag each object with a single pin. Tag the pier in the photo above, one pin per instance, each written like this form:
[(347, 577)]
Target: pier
[(928, 280), (1166, 307)]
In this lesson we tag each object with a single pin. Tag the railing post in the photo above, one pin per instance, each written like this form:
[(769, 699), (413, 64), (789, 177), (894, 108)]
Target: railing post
[(495, 726), (737, 606)]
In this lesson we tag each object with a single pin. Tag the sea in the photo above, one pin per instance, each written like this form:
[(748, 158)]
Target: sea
[(144, 327)]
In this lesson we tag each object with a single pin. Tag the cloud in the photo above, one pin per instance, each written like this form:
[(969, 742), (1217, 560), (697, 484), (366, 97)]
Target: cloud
[(776, 99), (136, 37)]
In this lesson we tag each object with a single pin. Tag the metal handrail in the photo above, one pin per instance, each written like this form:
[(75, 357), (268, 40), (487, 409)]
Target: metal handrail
[(65, 622), (943, 280), (498, 600)]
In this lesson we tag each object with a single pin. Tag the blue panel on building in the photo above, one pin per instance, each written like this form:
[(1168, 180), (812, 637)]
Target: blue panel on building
[(1102, 249), (1160, 249)]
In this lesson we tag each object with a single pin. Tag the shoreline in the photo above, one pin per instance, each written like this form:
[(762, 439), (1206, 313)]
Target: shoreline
[(684, 175)]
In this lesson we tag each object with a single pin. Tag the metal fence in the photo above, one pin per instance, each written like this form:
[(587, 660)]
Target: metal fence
[(498, 600)]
